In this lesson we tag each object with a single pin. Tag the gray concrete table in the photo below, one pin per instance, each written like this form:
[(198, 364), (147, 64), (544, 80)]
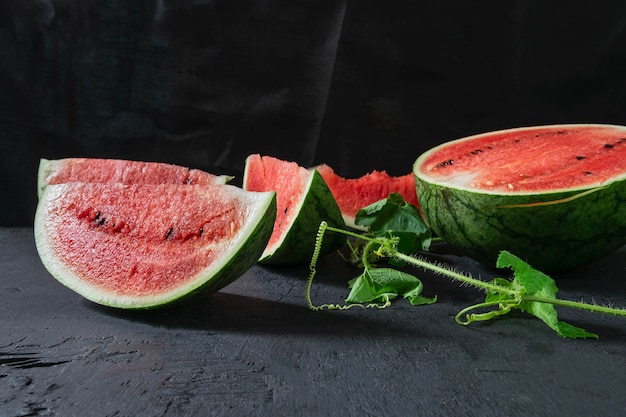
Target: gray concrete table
[(255, 349)]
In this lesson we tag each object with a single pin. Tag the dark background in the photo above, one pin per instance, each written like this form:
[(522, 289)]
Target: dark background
[(358, 85)]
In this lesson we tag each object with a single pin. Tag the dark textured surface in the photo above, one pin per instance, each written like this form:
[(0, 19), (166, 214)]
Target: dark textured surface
[(255, 349)]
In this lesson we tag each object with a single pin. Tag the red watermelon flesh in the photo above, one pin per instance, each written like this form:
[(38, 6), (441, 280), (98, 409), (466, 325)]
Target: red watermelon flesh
[(156, 221), (138, 245), (352, 194), (97, 170), (523, 161), (266, 173)]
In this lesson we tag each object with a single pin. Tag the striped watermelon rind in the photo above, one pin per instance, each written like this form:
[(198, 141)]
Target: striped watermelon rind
[(552, 230)]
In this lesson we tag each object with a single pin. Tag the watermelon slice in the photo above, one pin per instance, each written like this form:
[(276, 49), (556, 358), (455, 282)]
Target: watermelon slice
[(304, 201), (553, 195), (120, 171), (352, 194), (146, 245)]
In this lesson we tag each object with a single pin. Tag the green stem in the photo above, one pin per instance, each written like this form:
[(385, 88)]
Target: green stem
[(504, 308), (312, 266), (576, 304), (429, 266), (451, 274), (347, 232), (367, 249), (503, 290)]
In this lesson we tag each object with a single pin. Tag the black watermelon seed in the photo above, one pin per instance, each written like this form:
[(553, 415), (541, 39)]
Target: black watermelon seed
[(445, 163)]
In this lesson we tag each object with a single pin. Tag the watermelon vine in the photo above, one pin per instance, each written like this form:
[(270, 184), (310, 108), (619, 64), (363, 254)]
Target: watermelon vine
[(529, 290)]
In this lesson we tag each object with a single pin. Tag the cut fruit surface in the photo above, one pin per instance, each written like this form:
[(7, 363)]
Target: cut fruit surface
[(552, 195), (147, 245), (121, 171), (304, 201), (529, 160), (352, 194)]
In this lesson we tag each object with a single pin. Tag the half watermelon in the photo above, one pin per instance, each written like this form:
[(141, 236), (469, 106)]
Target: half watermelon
[(352, 194), (553, 195), (304, 201), (146, 245)]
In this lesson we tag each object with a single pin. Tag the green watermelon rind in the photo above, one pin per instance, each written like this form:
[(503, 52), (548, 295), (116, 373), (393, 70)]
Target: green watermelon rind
[(243, 253), (298, 244), (571, 228), (45, 166)]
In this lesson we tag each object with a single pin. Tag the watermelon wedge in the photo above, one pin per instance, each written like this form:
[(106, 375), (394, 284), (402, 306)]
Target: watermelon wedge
[(304, 201), (121, 171), (553, 195), (138, 246), (352, 194)]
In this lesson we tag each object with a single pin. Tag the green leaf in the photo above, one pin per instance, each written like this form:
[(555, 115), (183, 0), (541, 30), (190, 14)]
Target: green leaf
[(382, 284), (532, 280), (572, 332), (534, 286), (394, 216)]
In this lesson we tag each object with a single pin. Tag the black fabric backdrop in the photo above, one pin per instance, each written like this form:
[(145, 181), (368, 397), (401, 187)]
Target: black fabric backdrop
[(356, 84)]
